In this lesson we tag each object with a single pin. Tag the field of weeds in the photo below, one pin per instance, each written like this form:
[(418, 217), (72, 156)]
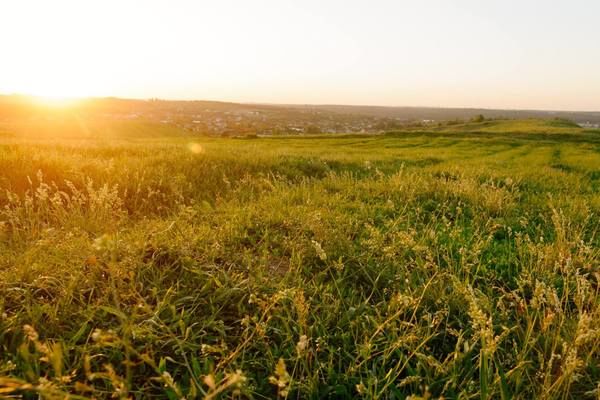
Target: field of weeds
[(430, 265)]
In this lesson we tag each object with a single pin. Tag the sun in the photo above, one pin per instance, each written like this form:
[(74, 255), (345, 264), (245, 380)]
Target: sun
[(57, 93), (56, 102), (57, 85)]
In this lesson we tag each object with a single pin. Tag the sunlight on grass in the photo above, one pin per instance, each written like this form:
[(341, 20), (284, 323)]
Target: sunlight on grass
[(419, 264)]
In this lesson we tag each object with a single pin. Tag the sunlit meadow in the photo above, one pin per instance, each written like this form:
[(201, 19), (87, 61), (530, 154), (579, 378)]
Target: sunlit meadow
[(141, 262)]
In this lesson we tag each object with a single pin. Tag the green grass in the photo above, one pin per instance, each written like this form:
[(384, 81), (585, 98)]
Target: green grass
[(444, 264), (551, 126)]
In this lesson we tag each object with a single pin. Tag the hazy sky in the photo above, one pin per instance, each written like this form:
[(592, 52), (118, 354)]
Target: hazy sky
[(486, 53)]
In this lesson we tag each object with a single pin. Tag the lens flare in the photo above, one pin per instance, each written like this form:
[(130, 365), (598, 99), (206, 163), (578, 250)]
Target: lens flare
[(196, 148)]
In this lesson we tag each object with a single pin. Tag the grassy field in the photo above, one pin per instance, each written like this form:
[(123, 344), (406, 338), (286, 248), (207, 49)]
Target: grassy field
[(138, 262)]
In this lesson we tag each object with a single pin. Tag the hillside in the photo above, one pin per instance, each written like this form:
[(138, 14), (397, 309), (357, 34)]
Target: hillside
[(525, 126), (443, 114), (162, 264), (232, 119)]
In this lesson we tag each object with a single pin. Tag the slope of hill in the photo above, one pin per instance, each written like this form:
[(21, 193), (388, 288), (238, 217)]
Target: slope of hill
[(443, 114), (548, 126), (230, 119)]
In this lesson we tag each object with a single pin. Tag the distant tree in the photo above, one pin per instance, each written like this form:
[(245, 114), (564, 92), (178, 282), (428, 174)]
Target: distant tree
[(478, 118)]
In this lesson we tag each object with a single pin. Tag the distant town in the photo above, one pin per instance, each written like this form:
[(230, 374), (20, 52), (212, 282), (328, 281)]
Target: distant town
[(238, 119)]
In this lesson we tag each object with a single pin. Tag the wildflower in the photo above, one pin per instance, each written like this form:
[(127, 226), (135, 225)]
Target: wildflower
[(572, 363), (168, 379), (302, 345), (207, 349), (96, 335), (301, 307), (245, 321), (104, 337), (482, 325), (547, 321), (261, 329), (361, 388), (400, 301), (235, 379), (209, 380), (31, 333), (339, 265), (320, 252), (281, 378), (32, 336), (321, 343), (585, 332), (409, 380)]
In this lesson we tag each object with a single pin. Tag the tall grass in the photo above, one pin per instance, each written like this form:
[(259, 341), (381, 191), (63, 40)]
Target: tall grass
[(381, 267)]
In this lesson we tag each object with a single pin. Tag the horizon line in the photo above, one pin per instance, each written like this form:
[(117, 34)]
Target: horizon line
[(300, 104)]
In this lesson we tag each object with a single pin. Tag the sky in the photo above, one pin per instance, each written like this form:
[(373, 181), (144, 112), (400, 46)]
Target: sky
[(443, 53)]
